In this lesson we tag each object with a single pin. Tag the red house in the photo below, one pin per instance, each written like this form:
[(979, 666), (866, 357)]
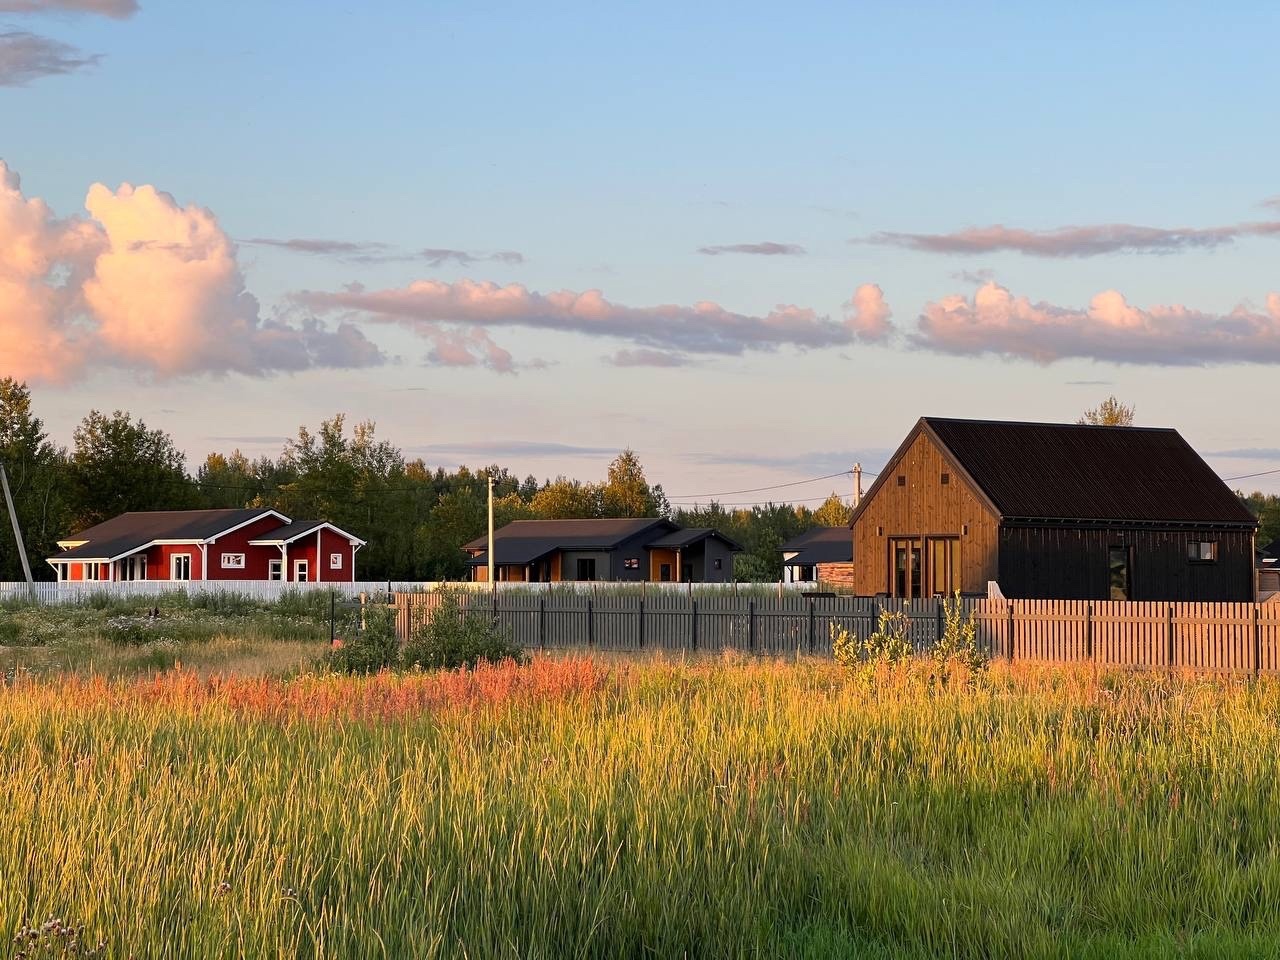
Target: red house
[(254, 544)]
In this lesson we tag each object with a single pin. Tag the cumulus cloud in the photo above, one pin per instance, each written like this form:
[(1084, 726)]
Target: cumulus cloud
[(867, 315), (118, 9), (427, 306), (648, 358), (27, 56), (1085, 241), (766, 249), (1110, 329), (145, 284)]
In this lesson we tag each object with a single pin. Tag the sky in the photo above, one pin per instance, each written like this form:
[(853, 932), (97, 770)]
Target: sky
[(753, 242)]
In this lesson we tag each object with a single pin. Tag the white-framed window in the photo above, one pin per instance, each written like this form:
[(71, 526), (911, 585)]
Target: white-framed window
[(63, 569), (335, 561), (233, 561), (275, 569), (180, 566), (134, 568), (301, 571)]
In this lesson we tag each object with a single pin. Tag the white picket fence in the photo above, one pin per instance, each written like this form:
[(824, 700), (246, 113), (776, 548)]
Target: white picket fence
[(269, 591)]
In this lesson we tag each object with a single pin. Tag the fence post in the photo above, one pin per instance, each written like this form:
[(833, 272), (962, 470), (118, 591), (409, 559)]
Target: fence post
[(813, 626), (937, 639), (694, 609), (751, 625), (1088, 630), (641, 621), (1169, 632), (542, 623), (1257, 643), (591, 623), (1010, 641)]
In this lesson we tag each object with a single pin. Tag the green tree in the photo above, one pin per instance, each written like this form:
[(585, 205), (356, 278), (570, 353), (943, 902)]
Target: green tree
[(117, 464), (1110, 413), (227, 481), (36, 472), (565, 499), (834, 512), (626, 491)]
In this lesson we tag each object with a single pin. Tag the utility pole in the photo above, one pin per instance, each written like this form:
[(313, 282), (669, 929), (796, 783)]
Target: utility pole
[(493, 585), (17, 530), (857, 484)]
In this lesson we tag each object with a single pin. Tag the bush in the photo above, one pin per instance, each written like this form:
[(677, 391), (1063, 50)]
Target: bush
[(454, 638), (10, 633), (368, 649), (889, 643), (959, 640)]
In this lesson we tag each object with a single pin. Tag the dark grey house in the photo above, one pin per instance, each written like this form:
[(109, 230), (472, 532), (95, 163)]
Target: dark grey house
[(636, 550)]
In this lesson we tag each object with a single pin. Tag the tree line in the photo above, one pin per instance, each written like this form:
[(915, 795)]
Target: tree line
[(415, 518)]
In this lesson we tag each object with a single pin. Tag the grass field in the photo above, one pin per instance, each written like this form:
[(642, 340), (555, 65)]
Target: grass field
[(576, 809)]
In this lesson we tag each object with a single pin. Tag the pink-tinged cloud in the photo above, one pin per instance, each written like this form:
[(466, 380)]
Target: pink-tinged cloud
[(1084, 241), (867, 314), (143, 284), (702, 327), (27, 56), (118, 9), (648, 358), (1111, 330), (453, 347), (766, 249)]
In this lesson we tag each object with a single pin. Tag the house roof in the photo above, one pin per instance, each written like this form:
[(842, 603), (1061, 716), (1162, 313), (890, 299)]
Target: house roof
[(523, 541), (679, 539), (130, 532), (1059, 471), (298, 529), (820, 545), (1271, 551)]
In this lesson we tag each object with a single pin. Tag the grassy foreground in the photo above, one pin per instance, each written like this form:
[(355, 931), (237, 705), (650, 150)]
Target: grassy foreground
[(573, 809)]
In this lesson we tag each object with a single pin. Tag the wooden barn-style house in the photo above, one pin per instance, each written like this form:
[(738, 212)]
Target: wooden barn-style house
[(1054, 511), (253, 544), (652, 549)]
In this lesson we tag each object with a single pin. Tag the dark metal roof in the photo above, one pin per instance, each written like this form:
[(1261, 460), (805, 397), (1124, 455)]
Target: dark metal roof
[(1271, 550), (131, 531), (523, 541), (820, 545), (678, 539), (1074, 472)]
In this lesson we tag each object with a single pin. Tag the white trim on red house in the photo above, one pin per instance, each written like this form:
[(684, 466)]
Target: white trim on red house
[(306, 533), (241, 526)]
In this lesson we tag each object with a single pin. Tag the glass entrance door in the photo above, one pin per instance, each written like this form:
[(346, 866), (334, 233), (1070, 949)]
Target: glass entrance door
[(904, 570)]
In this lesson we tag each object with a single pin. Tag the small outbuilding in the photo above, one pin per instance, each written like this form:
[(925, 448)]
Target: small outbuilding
[(1055, 511), (820, 554)]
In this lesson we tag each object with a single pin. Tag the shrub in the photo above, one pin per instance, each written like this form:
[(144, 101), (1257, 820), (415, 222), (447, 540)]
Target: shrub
[(371, 647), (959, 640), (10, 632), (890, 642), (454, 638)]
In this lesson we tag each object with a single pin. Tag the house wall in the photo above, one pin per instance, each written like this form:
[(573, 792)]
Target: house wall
[(160, 556), (255, 558), (837, 574), (923, 507), (657, 558), (717, 550), (569, 563), (1070, 563), (335, 543)]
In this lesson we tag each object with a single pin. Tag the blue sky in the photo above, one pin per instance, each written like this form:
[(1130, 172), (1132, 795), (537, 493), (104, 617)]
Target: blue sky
[(607, 145)]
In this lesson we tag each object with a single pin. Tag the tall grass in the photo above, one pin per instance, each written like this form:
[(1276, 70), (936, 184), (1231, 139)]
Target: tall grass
[(722, 808)]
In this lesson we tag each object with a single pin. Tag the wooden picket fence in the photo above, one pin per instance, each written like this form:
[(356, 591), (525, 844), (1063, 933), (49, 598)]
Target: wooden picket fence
[(1215, 637)]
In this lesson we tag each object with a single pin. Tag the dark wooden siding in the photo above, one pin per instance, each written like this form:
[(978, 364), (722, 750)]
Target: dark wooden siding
[(923, 507), (1070, 563)]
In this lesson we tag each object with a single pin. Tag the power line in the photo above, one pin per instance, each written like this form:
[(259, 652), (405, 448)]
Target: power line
[(776, 486), (1250, 476)]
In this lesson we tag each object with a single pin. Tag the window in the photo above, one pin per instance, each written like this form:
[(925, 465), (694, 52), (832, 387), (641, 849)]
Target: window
[(946, 479), (180, 566), (1119, 562), (664, 572), (133, 568), (1202, 551), (301, 571), (902, 481), (62, 571), (335, 561), (586, 568), (719, 563), (631, 563), (233, 561), (275, 569)]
